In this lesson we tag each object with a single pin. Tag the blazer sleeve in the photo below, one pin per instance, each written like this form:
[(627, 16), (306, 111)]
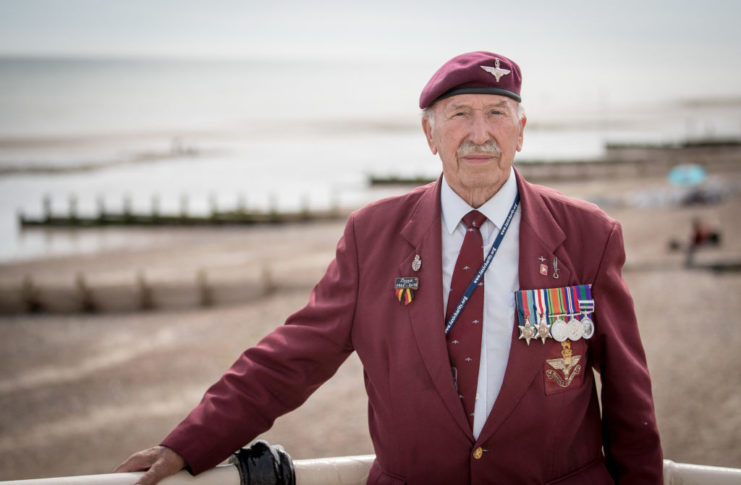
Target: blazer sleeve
[(631, 439), (279, 373)]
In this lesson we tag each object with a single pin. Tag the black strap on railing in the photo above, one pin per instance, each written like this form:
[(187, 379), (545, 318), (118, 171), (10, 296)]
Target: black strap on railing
[(263, 464)]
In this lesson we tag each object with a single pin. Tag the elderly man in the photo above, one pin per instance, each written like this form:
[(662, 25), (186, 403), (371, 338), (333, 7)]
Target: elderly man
[(478, 304)]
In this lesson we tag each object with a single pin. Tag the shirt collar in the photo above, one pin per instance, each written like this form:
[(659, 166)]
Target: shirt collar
[(495, 209)]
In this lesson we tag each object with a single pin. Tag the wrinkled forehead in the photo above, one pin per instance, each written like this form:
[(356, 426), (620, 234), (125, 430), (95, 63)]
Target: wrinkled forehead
[(476, 102)]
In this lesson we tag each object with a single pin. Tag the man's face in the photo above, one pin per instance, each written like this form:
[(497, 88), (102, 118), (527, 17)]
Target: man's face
[(466, 131)]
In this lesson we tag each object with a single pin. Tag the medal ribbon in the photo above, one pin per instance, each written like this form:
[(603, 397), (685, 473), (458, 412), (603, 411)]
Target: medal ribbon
[(574, 299), (480, 273), (533, 300), (582, 292), (541, 302), (554, 304), (562, 302), (566, 297), (519, 306), (585, 297), (523, 306), (547, 300)]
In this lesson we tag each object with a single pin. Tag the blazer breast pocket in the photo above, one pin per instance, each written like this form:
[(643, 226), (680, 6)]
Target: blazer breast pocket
[(564, 366)]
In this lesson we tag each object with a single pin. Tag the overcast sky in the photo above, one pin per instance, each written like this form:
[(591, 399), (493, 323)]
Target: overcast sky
[(634, 43), (692, 29)]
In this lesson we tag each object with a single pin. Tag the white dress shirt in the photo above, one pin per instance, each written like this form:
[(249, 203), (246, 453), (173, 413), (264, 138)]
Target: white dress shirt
[(500, 282)]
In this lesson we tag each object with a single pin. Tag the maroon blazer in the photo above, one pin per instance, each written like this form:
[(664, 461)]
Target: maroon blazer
[(536, 433)]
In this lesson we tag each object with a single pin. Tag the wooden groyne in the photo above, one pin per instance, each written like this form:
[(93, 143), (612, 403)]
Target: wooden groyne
[(83, 293), (619, 161), (216, 217), (139, 291)]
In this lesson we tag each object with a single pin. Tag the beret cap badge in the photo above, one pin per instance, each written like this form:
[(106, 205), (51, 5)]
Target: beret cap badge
[(496, 71)]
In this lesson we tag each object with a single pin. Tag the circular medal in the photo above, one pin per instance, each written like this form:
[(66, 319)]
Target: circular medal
[(575, 329), (588, 326), (559, 330)]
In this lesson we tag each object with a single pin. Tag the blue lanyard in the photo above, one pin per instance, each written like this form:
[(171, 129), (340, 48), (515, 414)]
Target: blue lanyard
[(480, 273)]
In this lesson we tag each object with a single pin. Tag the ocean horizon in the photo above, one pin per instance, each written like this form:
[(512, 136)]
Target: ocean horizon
[(272, 133)]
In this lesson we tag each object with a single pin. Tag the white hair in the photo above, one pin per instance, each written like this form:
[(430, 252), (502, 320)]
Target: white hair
[(429, 113)]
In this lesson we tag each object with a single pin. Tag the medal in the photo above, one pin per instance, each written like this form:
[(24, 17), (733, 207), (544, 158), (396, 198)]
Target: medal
[(543, 309), (586, 307), (575, 329), (563, 314), (587, 326), (527, 332), (559, 330), (544, 330)]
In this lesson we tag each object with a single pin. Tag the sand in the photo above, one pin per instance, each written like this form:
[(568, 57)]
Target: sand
[(80, 392)]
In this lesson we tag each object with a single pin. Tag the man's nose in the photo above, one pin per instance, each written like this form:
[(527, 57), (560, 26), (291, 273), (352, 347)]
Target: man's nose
[(479, 130)]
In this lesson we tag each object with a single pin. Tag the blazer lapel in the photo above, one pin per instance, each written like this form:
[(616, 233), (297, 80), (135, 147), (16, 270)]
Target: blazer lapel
[(426, 312), (540, 237)]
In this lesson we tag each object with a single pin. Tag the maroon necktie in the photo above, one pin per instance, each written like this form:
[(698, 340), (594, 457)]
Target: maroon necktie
[(464, 339)]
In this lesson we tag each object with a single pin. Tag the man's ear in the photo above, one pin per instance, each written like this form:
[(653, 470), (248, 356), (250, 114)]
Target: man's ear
[(427, 127), (523, 122)]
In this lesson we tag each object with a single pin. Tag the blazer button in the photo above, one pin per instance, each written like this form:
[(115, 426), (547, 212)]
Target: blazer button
[(478, 453)]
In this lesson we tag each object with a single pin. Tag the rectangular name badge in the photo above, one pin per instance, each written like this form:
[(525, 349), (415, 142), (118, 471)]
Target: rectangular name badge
[(411, 283)]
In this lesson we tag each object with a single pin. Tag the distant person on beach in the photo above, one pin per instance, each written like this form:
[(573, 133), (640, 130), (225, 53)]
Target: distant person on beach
[(703, 235), (479, 306)]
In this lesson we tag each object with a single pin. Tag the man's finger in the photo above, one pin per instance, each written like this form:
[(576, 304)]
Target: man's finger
[(154, 475), (158, 462), (139, 461), (167, 464)]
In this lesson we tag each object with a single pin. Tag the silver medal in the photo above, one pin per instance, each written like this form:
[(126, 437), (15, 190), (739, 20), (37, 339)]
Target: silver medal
[(587, 326), (559, 330), (575, 329)]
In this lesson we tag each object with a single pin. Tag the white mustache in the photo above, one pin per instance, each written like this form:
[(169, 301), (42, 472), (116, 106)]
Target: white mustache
[(468, 147)]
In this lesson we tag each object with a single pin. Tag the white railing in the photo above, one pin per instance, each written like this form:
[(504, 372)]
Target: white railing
[(346, 470), (684, 474), (353, 470)]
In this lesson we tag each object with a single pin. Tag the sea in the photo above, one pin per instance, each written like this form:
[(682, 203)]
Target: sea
[(279, 134)]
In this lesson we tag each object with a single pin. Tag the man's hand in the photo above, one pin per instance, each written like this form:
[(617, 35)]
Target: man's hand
[(159, 462)]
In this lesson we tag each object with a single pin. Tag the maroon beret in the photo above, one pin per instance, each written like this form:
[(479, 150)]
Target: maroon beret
[(473, 73)]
